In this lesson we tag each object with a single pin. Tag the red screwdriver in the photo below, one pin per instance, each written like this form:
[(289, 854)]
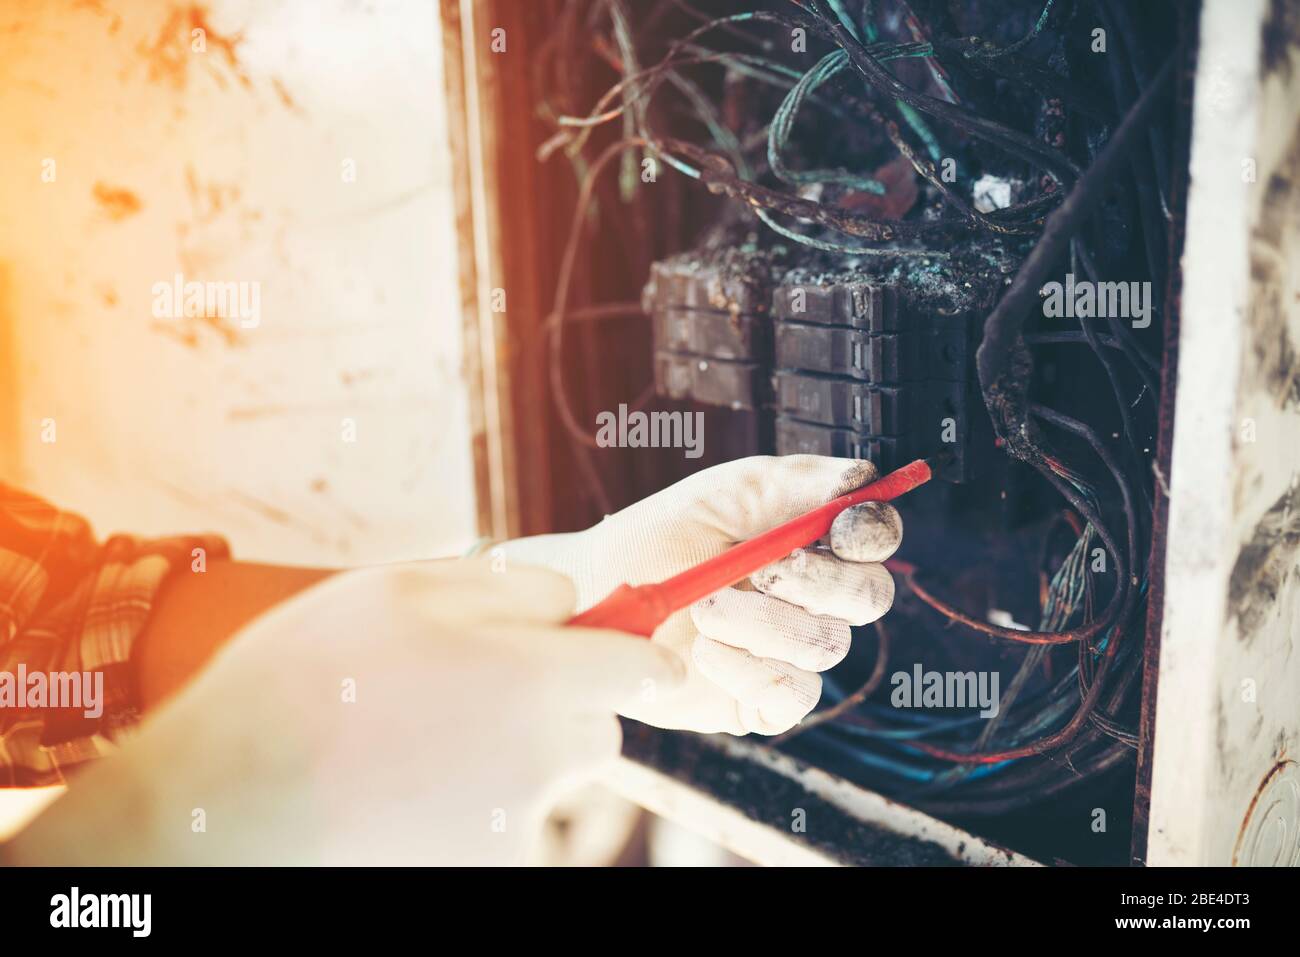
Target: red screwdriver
[(640, 609)]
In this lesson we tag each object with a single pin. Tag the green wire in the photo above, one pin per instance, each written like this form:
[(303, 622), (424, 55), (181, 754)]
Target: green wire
[(910, 116), (783, 122), (847, 20), (753, 66), (778, 132), (634, 115)]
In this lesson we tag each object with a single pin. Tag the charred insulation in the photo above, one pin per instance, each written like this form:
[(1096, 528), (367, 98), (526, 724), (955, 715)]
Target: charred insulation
[(946, 157)]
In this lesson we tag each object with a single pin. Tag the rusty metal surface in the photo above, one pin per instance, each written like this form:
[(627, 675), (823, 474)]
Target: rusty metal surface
[(1268, 837), (1187, 28)]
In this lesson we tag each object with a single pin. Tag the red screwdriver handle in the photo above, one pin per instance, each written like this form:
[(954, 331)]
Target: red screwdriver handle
[(636, 609), (640, 609)]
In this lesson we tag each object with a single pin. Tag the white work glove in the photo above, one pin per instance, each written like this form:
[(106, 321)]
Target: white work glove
[(473, 709), (752, 656)]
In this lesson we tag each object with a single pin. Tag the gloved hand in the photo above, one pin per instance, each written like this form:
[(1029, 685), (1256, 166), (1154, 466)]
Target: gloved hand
[(406, 714), (752, 654)]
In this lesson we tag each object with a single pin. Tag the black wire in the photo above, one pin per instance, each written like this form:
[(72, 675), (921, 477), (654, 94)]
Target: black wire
[(1003, 326), (1068, 336), (1100, 720), (1026, 147)]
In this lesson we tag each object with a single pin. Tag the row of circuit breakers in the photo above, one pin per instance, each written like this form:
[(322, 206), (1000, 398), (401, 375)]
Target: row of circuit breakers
[(839, 366)]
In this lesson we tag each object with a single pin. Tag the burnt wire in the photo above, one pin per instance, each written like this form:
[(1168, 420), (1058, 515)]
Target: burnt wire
[(1047, 735), (720, 177), (1068, 589)]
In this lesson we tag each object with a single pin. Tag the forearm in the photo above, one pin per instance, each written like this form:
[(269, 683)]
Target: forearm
[(196, 613)]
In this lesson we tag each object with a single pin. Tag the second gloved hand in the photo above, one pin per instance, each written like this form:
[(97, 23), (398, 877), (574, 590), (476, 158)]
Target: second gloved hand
[(403, 714), (753, 652)]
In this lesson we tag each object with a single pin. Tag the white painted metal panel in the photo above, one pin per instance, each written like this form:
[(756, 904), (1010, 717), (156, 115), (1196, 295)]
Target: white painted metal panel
[(1228, 695)]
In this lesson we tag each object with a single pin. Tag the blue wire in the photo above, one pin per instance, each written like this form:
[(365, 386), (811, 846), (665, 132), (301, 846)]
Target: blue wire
[(872, 760), (778, 132)]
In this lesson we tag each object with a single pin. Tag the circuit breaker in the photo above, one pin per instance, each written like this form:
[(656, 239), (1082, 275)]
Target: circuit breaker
[(848, 363)]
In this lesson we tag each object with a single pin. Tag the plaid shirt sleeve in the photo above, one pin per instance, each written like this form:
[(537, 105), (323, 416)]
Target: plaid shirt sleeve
[(72, 605)]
